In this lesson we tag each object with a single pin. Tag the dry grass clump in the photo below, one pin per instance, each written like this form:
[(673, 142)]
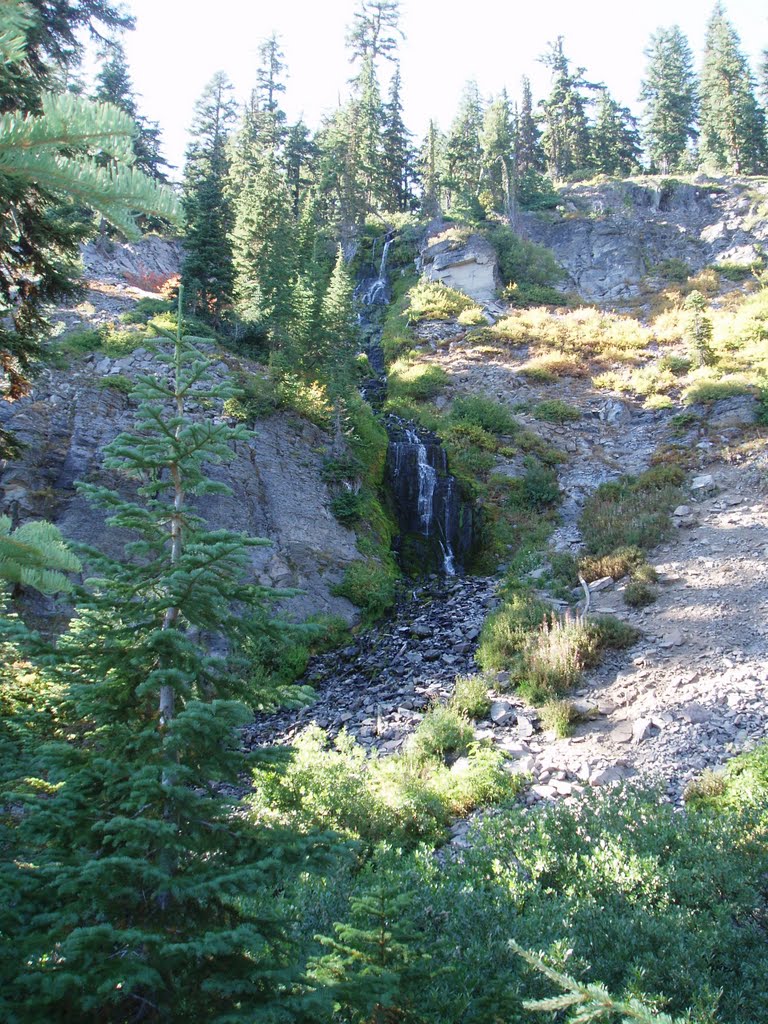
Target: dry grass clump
[(431, 300), (559, 716), (587, 332), (545, 369)]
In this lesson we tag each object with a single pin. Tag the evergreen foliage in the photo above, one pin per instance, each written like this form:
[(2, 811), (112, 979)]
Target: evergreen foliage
[(669, 91), (264, 252), (113, 85), (463, 152), (732, 123), (565, 139), (145, 893), (375, 30), (51, 156), (338, 328), (397, 152), (208, 272), (528, 148), (615, 139)]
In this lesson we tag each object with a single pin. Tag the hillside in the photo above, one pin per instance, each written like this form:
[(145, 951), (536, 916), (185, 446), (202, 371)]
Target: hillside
[(595, 456)]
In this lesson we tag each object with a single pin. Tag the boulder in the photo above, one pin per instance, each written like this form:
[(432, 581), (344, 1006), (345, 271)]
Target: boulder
[(472, 268)]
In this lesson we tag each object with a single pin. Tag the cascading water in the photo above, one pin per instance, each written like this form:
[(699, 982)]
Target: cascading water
[(436, 527)]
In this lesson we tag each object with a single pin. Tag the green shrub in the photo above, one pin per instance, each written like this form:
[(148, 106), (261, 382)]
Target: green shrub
[(554, 656), (369, 585), (431, 300), (505, 631), (443, 731), (559, 716), (715, 390), (79, 341), (743, 783), (737, 272), (523, 296), (523, 262), (632, 512), (624, 561), (339, 469), (613, 634), (472, 317), (674, 270), (638, 594), (554, 411), (540, 487), (348, 507), (469, 435), (470, 696), (416, 381), (484, 412), (116, 382), (401, 799)]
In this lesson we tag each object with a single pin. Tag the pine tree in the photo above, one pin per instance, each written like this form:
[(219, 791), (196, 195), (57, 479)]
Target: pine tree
[(299, 157), (113, 85), (670, 96), (369, 124), (463, 151), (497, 141), (699, 330), (528, 148), (49, 161), (397, 154), (147, 896), (615, 139), (264, 252), (373, 960), (732, 123), (208, 273), (375, 30), (338, 329), (566, 130), (430, 162)]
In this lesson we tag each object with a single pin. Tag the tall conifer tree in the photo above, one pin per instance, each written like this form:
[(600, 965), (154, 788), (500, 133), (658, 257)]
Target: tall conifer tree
[(732, 123), (529, 150), (566, 129), (397, 154), (615, 139), (669, 92), (113, 85), (463, 150), (208, 272), (264, 248), (148, 896)]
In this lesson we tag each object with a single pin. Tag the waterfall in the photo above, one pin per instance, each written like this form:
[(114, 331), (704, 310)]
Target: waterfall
[(427, 476), (436, 529), (375, 291)]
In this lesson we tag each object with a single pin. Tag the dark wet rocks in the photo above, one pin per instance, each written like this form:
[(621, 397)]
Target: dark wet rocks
[(379, 687)]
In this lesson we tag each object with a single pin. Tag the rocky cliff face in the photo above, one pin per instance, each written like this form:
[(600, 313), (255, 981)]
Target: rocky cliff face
[(277, 490), (612, 238), (471, 267)]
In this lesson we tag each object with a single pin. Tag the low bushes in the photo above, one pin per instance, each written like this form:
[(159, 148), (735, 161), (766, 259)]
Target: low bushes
[(632, 512), (403, 799)]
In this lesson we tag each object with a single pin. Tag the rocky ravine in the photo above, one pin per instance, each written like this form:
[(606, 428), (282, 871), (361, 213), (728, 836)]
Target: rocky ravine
[(689, 695)]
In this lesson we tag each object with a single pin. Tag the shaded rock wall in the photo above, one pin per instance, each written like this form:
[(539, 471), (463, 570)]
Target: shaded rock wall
[(278, 492), (611, 237)]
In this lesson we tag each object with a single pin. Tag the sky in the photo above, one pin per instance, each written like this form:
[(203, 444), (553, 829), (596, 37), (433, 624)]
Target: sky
[(175, 50)]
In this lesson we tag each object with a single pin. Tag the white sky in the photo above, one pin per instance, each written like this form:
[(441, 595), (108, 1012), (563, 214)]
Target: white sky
[(174, 50)]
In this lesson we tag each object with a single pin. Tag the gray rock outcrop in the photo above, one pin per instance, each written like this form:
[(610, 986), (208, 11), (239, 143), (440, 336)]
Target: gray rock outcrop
[(471, 267), (277, 489), (614, 238)]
